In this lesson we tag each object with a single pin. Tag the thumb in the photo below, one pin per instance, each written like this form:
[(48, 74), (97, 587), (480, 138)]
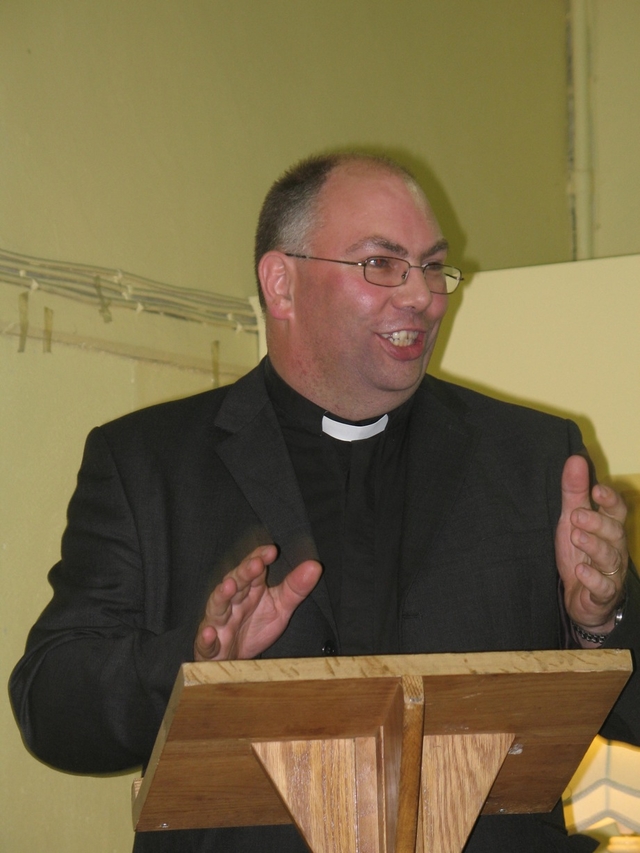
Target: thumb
[(575, 484), (298, 584)]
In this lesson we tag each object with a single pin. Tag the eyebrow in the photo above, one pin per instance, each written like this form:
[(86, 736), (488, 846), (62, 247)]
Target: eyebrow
[(378, 242)]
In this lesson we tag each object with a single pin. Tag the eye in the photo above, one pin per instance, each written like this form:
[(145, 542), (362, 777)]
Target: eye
[(379, 263)]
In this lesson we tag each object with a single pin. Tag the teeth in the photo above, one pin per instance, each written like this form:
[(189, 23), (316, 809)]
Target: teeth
[(402, 338)]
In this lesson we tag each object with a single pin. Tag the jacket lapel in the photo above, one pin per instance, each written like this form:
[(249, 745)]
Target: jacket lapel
[(441, 444), (440, 447), (256, 456)]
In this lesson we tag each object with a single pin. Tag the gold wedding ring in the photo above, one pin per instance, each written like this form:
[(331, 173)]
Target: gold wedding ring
[(609, 574)]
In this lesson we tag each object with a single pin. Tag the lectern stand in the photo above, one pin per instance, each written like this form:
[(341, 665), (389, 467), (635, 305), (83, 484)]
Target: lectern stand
[(375, 754)]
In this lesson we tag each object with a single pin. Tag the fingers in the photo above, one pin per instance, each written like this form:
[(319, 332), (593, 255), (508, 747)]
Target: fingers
[(591, 549), (599, 534), (207, 643), (601, 538), (230, 593), (603, 591), (236, 585), (610, 502), (602, 541)]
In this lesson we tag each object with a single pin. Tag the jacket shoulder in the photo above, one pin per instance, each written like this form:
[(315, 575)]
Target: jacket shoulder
[(500, 424), (186, 417), (472, 405)]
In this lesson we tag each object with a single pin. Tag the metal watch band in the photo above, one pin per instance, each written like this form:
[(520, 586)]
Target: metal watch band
[(598, 638)]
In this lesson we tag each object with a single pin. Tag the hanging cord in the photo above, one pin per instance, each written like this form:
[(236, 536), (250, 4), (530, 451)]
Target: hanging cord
[(110, 288)]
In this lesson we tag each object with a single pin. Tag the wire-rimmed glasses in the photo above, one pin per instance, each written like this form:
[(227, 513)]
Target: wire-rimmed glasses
[(392, 272)]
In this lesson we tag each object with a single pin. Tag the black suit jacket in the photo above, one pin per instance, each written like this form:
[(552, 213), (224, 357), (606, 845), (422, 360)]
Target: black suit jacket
[(171, 497)]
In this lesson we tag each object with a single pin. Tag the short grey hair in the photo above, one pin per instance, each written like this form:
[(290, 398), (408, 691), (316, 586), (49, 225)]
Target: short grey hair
[(289, 211)]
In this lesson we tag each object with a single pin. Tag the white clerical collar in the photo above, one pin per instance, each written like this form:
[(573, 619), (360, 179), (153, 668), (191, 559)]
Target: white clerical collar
[(353, 432)]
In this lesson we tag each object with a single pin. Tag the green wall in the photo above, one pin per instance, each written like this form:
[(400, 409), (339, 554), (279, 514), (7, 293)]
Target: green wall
[(144, 135)]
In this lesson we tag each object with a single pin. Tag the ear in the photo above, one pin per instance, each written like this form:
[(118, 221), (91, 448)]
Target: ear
[(276, 275)]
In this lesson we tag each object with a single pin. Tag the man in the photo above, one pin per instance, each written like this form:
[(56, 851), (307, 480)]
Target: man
[(334, 501)]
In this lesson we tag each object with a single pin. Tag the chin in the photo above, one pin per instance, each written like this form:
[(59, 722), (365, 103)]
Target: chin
[(403, 386)]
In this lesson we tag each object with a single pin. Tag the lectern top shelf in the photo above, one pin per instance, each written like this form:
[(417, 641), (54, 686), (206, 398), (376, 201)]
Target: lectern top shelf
[(384, 666), (533, 714)]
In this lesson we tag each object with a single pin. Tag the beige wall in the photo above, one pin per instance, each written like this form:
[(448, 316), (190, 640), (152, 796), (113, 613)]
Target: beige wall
[(143, 136)]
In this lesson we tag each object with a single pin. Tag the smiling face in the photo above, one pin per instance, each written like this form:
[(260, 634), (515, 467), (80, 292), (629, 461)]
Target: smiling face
[(355, 348)]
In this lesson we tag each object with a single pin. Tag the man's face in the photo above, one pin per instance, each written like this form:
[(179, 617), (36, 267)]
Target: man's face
[(356, 348)]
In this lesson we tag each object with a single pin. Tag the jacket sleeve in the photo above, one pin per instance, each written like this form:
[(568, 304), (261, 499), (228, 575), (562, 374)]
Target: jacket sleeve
[(91, 689), (623, 723)]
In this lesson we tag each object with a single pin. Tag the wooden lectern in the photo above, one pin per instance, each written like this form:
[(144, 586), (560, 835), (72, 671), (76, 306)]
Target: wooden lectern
[(375, 754)]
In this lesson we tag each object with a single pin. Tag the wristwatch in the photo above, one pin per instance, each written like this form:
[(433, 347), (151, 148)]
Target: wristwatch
[(599, 638)]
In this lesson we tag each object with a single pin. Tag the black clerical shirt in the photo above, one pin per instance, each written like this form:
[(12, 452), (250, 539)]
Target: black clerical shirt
[(354, 493)]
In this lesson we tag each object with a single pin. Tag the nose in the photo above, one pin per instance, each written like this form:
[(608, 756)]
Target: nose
[(413, 292)]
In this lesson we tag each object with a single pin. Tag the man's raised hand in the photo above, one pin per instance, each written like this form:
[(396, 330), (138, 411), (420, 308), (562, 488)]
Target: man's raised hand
[(244, 616), (591, 549)]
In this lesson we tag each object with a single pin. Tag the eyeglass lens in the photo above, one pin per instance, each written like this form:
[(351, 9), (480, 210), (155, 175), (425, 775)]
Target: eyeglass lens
[(391, 272)]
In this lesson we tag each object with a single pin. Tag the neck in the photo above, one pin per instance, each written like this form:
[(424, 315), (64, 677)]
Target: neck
[(340, 401)]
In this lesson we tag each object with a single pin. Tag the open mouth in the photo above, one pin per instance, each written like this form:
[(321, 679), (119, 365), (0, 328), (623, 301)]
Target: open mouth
[(402, 338)]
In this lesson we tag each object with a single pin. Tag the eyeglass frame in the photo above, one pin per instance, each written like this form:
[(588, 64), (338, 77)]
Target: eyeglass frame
[(363, 264)]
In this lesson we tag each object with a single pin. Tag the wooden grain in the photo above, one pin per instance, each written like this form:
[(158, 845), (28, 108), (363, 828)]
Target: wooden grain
[(409, 796), (370, 795), (390, 745), (329, 787), (384, 666), (553, 716), (457, 774), (316, 780), (208, 783), (205, 770)]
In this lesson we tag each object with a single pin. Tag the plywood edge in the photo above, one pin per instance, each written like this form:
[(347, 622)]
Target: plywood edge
[(479, 663), (141, 787)]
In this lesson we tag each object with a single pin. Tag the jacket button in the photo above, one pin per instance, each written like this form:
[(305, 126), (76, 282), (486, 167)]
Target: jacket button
[(328, 648)]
